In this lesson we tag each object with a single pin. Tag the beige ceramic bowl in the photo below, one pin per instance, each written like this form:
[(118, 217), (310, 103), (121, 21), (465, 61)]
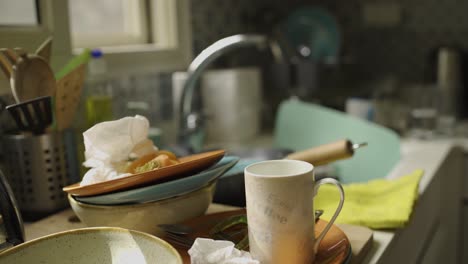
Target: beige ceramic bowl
[(146, 217), (100, 245)]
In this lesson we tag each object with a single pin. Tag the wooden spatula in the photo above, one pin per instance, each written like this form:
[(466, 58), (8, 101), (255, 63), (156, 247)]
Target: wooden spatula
[(67, 96)]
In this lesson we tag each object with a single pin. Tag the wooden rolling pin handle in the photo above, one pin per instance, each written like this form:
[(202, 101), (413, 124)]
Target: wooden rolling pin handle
[(324, 154)]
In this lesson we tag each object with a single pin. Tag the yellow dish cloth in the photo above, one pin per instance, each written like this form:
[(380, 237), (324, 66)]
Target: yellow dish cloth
[(376, 204)]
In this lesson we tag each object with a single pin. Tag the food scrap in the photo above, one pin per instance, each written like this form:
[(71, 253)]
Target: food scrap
[(153, 161)]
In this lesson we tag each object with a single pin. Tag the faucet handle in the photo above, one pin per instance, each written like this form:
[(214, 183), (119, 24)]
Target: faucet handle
[(195, 121), (193, 134)]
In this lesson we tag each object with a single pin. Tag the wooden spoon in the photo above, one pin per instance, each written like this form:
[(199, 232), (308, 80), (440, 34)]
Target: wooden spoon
[(7, 61), (32, 78)]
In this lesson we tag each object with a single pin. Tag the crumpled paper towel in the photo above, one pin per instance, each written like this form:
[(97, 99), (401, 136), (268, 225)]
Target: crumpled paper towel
[(209, 251), (108, 146)]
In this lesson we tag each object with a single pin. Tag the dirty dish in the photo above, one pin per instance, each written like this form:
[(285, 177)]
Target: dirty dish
[(146, 217), (103, 245), (188, 165), (335, 247), (183, 230), (288, 186), (163, 190)]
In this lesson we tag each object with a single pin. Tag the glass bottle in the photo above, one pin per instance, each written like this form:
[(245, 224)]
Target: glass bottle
[(99, 91)]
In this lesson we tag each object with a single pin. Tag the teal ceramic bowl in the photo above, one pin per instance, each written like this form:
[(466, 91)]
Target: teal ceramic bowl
[(163, 190)]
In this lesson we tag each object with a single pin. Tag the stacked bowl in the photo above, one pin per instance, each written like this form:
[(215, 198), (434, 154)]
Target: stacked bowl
[(163, 196)]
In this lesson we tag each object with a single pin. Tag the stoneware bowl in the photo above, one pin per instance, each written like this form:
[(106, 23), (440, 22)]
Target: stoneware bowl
[(100, 245), (146, 217)]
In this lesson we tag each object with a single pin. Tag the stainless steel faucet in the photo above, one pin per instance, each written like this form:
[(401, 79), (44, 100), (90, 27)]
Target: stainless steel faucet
[(191, 123)]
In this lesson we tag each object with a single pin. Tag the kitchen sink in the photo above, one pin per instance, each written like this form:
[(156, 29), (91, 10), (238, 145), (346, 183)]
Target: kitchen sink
[(301, 125)]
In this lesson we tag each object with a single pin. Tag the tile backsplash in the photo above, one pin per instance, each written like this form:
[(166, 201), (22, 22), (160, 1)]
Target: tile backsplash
[(405, 49), (402, 51), (213, 19)]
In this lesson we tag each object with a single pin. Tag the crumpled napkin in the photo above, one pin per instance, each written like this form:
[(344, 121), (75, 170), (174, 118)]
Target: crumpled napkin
[(109, 145), (209, 251), (377, 204)]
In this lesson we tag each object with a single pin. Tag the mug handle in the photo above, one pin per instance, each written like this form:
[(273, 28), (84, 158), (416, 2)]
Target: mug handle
[(338, 209)]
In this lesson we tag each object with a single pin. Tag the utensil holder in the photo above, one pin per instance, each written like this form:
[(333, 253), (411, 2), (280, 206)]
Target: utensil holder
[(37, 167)]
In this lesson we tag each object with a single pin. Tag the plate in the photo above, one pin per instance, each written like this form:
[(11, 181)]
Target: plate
[(314, 33), (164, 190), (188, 166), (93, 245), (335, 247)]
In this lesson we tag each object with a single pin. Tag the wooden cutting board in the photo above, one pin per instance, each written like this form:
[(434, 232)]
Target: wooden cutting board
[(361, 239)]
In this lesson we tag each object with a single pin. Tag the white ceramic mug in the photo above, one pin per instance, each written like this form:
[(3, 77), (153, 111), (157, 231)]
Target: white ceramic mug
[(280, 211)]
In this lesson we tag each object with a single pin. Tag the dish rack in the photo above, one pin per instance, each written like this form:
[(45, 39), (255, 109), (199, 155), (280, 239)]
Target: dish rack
[(37, 167)]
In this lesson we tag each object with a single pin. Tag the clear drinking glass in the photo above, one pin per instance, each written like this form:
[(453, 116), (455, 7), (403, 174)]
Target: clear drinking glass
[(424, 111)]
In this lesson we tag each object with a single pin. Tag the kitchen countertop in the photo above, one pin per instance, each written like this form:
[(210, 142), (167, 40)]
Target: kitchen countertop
[(387, 245), (66, 220), (416, 154), (360, 237)]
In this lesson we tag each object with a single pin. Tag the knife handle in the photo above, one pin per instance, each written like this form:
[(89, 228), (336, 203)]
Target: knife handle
[(326, 153)]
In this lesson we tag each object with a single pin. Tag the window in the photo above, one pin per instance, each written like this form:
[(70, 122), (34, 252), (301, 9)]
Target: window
[(10, 9), (135, 35), (97, 23), (107, 23)]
